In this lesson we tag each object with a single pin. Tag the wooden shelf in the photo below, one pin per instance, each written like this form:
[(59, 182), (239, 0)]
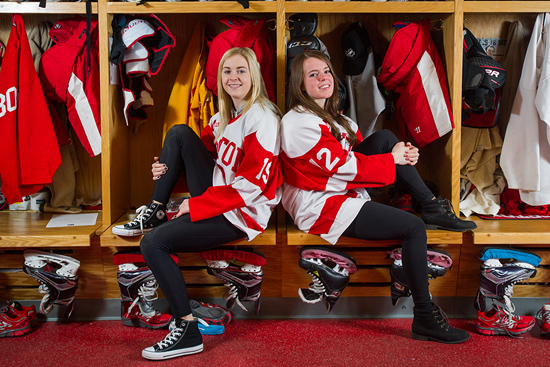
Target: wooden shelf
[(28, 229), (370, 7), (108, 239), (511, 232), (505, 6), (295, 237), (191, 7), (51, 8)]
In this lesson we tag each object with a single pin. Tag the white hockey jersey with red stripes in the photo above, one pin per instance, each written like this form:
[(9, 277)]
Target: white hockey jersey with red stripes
[(247, 177), (324, 181), (412, 67)]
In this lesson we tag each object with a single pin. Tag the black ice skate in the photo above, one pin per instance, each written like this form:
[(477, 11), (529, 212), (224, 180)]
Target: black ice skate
[(138, 287), (438, 263), (57, 277), (244, 282), (330, 271)]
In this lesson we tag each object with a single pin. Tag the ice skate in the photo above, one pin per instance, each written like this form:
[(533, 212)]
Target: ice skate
[(500, 270), (330, 271), (244, 281), (438, 263), (138, 287), (57, 277)]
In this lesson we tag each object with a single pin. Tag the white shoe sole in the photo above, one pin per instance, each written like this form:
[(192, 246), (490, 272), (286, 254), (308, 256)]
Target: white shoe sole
[(129, 232), (149, 353)]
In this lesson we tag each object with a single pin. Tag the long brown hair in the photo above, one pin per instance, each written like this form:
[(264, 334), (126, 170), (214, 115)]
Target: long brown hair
[(298, 97), (257, 93)]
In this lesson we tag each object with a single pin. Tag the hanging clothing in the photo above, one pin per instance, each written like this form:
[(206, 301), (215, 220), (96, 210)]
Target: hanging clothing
[(29, 154), (191, 102), (525, 156), (366, 102), (478, 163), (412, 67), (514, 54)]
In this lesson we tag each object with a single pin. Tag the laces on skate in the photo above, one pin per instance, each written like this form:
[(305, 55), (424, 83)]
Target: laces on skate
[(330, 272), (243, 281), (57, 277)]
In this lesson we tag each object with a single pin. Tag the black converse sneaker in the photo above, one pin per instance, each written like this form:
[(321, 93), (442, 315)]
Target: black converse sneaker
[(184, 339), (149, 217)]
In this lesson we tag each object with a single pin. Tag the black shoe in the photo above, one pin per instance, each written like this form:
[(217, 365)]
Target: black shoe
[(439, 214), (184, 339), (149, 217), (432, 324)]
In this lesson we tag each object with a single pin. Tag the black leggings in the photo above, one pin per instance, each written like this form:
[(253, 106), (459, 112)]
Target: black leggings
[(184, 153), (377, 221)]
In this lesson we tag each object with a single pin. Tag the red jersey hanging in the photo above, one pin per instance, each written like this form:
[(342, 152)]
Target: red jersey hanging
[(29, 154)]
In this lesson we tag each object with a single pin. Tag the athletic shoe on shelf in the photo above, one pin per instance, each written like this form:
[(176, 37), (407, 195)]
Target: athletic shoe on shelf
[(148, 217), (16, 310), (132, 316), (10, 327), (184, 339), (543, 316), (499, 321)]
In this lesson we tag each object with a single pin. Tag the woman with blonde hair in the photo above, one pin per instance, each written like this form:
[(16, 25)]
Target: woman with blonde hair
[(233, 175)]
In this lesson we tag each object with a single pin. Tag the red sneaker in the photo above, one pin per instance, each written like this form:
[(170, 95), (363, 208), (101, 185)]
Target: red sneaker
[(13, 326), (544, 319), (499, 322), (15, 310), (135, 318)]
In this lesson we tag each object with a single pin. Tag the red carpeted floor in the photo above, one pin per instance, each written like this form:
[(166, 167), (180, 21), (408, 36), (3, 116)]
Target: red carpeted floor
[(272, 343)]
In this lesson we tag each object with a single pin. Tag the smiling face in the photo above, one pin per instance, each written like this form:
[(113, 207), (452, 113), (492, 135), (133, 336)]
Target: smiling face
[(236, 80), (318, 80)]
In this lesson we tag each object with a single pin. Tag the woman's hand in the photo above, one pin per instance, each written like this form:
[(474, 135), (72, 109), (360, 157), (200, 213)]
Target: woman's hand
[(158, 169), (184, 208), (412, 155), (399, 153)]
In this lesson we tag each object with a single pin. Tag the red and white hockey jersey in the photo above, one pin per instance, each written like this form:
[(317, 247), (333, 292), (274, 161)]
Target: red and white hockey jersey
[(29, 154), (412, 67), (324, 181), (247, 177)]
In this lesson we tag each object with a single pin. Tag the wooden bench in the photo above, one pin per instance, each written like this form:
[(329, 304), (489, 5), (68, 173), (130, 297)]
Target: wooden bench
[(199, 283)]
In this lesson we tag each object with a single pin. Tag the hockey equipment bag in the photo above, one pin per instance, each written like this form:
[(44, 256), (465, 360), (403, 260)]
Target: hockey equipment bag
[(438, 263), (242, 32), (482, 81), (244, 282), (57, 277), (330, 271)]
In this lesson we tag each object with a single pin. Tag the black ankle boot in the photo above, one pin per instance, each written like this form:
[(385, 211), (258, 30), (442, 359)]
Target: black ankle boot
[(439, 214), (432, 324)]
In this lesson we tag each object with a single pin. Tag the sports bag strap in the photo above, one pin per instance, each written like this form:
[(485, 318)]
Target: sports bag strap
[(249, 33)]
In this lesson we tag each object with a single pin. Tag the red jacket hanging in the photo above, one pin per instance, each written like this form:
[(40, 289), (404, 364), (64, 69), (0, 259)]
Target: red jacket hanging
[(412, 67), (66, 78), (29, 154)]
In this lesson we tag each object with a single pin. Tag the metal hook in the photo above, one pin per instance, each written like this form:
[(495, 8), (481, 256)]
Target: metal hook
[(274, 21)]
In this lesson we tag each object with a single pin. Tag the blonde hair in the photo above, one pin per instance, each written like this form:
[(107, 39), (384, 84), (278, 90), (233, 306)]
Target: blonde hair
[(298, 97), (257, 92)]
